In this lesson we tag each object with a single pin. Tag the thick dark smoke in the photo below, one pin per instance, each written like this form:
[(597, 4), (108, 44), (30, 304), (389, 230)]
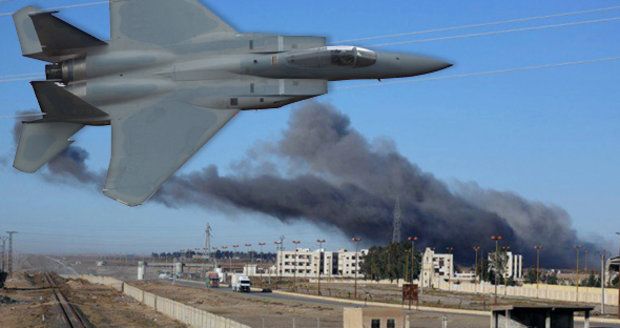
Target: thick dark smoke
[(335, 177)]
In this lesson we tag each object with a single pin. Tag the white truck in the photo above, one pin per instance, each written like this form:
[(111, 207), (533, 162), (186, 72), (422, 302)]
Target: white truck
[(240, 283)]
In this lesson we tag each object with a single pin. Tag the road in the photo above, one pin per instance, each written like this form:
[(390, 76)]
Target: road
[(484, 320)]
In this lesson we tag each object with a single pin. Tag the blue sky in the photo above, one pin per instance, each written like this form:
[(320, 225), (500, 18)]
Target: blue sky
[(551, 135)]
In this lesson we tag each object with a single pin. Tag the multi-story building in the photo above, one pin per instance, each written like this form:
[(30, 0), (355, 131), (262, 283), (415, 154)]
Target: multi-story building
[(303, 262), (435, 267), (513, 267)]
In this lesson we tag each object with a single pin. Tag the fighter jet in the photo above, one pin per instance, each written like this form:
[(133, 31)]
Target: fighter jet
[(172, 74)]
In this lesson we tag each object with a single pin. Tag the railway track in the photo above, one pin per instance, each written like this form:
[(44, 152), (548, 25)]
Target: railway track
[(70, 315)]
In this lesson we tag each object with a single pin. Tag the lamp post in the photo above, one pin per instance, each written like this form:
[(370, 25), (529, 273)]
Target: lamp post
[(355, 240), (260, 246), (296, 242), (449, 250), (412, 239), (318, 269), (248, 245), (279, 255), (603, 282), (496, 258), (577, 249), (618, 233), (476, 249), (233, 254), (506, 249), (538, 249)]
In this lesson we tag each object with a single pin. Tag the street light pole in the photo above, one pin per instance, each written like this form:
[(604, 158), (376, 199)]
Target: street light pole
[(603, 282), (538, 249), (577, 248), (231, 255), (355, 240), (279, 255), (318, 269), (496, 258), (260, 245), (412, 239), (296, 242), (476, 249), (449, 250)]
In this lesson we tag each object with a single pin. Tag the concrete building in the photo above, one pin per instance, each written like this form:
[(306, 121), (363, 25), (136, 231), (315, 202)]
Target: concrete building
[(435, 267), (303, 262), (514, 266)]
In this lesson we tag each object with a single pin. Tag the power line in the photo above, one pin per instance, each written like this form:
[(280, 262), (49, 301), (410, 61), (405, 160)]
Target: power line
[(466, 26), (512, 30), (485, 73), (76, 5)]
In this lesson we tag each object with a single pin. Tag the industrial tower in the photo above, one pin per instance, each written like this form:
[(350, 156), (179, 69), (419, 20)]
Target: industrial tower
[(208, 242), (396, 234), (10, 256)]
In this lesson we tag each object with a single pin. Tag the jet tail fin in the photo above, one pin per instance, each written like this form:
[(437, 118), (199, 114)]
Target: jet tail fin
[(40, 142), (46, 37)]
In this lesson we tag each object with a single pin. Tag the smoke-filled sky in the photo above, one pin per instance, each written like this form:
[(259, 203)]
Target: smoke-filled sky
[(523, 153), (322, 170)]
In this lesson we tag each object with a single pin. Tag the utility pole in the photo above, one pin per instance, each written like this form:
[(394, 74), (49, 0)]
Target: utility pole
[(10, 255), (412, 239), (496, 260), (318, 271), (538, 249), (356, 240)]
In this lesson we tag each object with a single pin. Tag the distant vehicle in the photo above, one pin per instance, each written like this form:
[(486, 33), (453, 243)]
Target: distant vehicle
[(240, 283), (213, 280), (101, 263)]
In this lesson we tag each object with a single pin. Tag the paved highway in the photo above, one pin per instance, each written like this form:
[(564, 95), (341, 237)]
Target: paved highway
[(484, 320)]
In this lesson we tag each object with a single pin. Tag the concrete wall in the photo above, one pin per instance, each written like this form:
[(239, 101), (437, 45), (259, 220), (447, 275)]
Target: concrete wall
[(550, 292), (186, 314)]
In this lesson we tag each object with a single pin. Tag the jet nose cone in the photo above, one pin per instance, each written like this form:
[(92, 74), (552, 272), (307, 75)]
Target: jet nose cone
[(426, 65)]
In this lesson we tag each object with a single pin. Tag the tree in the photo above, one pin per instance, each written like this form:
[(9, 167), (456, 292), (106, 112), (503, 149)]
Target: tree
[(530, 276), (497, 266)]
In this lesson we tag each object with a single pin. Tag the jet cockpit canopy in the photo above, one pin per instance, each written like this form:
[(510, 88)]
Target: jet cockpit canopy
[(333, 56)]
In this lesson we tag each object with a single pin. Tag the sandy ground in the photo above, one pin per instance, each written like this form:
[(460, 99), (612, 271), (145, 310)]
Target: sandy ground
[(277, 313), (26, 302)]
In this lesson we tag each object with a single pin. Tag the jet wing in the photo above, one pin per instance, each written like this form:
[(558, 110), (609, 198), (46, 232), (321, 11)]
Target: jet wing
[(162, 22), (150, 144)]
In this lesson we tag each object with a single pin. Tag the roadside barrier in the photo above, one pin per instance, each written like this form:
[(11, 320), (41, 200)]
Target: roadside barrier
[(186, 314)]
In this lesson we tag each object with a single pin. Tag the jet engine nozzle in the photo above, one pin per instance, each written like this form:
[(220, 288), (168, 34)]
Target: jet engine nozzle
[(67, 71)]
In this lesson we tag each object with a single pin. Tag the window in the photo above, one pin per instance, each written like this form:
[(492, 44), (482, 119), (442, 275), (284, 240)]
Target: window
[(375, 323), (391, 323)]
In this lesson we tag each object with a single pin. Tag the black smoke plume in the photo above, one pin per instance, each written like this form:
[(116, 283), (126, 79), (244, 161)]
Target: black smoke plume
[(333, 176)]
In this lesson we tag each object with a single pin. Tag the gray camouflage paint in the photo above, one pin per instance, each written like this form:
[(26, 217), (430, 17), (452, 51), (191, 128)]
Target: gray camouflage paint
[(172, 75)]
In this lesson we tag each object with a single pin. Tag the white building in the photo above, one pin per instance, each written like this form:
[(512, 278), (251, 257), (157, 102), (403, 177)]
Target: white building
[(302, 262), (436, 266), (514, 265)]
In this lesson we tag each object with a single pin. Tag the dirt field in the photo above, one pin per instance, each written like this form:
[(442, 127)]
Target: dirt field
[(26, 302)]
